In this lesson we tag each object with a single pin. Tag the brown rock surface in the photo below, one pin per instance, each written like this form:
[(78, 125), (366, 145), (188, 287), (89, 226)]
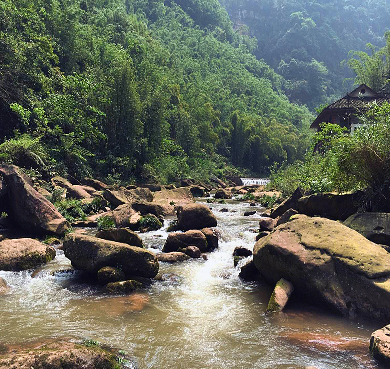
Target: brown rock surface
[(172, 257), (59, 354), (3, 287), (178, 240), (24, 253), (168, 199), (195, 216), (123, 235), (92, 253), (280, 296), (328, 264), (30, 210), (380, 344)]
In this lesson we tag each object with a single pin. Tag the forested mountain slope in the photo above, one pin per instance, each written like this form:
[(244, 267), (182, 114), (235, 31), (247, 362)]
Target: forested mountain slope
[(305, 41), (133, 89)]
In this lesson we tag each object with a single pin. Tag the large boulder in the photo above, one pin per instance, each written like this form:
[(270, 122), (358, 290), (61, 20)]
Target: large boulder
[(123, 235), (92, 253), (24, 253), (374, 226), (329, 264), (380, 345), (29, 209), (211, 237), (330, 205), (177, 241), (195, 216)]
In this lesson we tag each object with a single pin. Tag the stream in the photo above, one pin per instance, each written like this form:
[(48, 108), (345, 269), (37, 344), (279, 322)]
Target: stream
[(200, 316)]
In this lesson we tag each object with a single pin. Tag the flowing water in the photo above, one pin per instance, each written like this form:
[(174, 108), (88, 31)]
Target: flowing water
[(201, 316)]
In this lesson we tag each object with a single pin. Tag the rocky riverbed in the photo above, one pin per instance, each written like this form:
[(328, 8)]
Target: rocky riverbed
[(196, 312)]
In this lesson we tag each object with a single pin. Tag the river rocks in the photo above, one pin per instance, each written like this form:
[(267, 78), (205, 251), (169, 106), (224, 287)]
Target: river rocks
[(250, 212), (170, 198), (195, 216), (123, 235), (329, 264), (24, 253), (192, 251), (172, 257), (330, 205), (145, 208), (96, 184), (197, 191), (290, 203), (125, 216), (110, 274), (92, 253), (280, 296), (286, 216), (242, 251), (123, 287), (123, 196), (72, 191), (249, 272), (267, 224), (222, 194), (374, 226), (29, 209), (211, 238), (380, 345), (3, 287), (177, 241), (61, 354)]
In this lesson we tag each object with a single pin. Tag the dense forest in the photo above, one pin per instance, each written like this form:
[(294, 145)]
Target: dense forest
[(306, 41), (139, 90)]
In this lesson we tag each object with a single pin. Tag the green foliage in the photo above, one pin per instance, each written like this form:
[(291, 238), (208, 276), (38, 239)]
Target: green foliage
[(71, 209), (128, 90), (267, 201), (150, 223), (305, 41), (105, 222), (350, 162)]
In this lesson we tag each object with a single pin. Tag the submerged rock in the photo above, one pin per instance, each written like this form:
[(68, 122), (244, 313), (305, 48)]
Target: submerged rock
[(195, 216), (92, 253), (123, 287), (24, 253), (328, 264)]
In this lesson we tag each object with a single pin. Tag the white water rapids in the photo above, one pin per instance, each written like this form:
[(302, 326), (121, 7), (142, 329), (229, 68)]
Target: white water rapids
[(203, 316)]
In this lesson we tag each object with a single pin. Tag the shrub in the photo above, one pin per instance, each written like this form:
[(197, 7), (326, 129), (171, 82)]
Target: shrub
[(105, 222), (71, 209), (150, 222)]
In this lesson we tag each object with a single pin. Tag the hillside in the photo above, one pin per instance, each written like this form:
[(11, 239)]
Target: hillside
[(305, 41), (139, 90)]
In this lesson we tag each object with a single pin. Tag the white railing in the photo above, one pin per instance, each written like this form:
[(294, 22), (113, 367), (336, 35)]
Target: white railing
[(255, 181)]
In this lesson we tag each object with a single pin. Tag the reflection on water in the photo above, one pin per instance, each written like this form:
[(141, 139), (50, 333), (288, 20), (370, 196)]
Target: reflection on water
[(201, 315)]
